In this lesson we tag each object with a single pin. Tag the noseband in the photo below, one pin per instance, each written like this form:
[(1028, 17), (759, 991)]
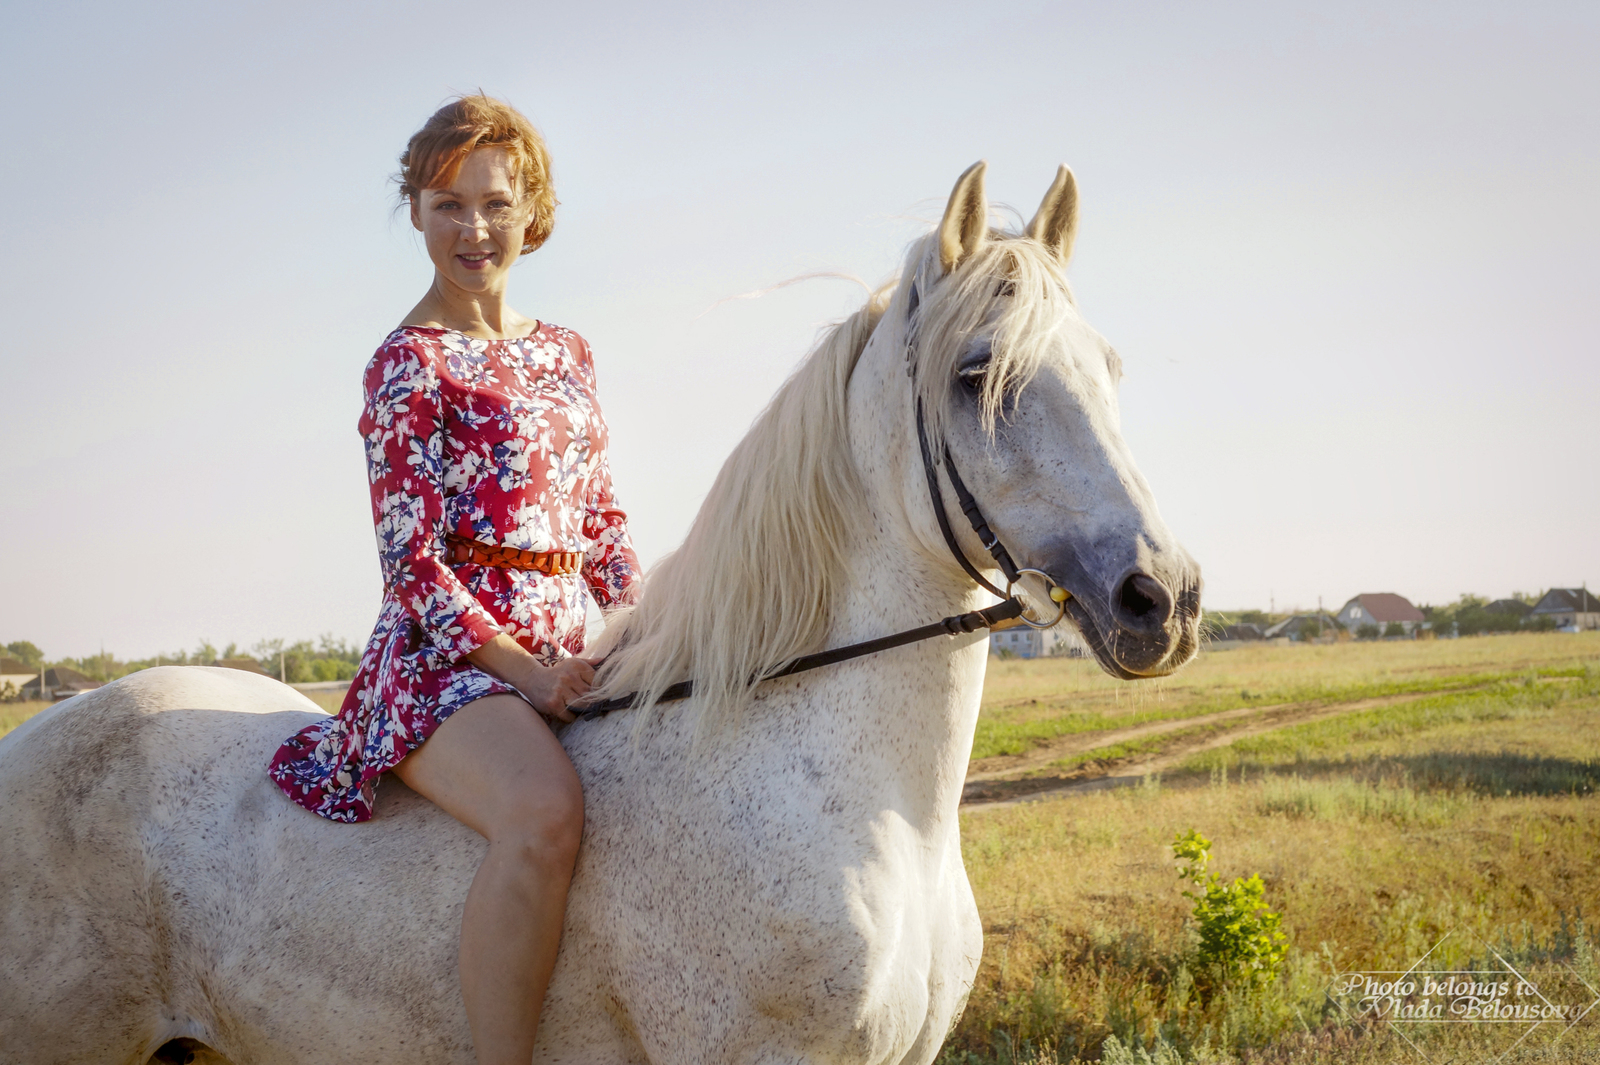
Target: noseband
[(955, 625)]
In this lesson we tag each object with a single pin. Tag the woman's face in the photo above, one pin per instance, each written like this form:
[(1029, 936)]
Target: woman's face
[(473, 229)]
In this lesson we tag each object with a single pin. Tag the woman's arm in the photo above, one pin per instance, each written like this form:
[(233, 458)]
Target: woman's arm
[(403, 424), (549, 688), (610, 566)]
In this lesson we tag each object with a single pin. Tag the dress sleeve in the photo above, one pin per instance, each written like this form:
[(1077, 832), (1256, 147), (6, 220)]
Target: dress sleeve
[(610, 567), (403, 426)]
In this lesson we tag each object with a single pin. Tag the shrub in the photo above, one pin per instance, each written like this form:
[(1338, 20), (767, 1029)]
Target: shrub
[(1239, 937)]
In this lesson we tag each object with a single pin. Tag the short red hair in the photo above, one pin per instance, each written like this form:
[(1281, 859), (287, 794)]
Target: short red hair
[(435, 153)]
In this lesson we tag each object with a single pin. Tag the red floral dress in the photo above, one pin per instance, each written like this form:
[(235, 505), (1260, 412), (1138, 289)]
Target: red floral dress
[(501, 441)]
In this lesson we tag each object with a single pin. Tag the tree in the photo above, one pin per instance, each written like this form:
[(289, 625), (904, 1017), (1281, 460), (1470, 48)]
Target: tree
[(26, 653)]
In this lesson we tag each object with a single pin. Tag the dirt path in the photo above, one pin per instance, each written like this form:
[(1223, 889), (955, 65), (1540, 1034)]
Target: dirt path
[(1011, 779)]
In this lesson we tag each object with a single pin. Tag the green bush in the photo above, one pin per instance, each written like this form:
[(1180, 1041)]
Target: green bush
[(1239, 937)]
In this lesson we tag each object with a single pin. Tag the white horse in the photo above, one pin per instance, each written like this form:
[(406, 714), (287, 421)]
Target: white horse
[(770, 873)]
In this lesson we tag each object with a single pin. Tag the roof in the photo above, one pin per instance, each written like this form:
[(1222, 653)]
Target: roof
[(249, 665), (1292, 625), (59, 677), (1386, 606), (1564, 600), (11, 665), (1514, 607)]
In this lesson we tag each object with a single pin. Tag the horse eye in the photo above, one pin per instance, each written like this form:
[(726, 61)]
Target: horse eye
[(971, 374)]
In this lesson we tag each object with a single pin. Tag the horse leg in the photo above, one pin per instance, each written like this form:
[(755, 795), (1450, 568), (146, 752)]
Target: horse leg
[(187, 1052)]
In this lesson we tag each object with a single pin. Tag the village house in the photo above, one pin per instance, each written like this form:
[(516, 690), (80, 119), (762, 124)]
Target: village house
[(1316, 626), (13, 675), (1020, 641), (1381, 609), (1569, 608), (1515, 607), (60, 683)]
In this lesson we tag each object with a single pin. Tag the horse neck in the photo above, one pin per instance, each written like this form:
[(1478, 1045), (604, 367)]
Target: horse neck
[(907, 724)]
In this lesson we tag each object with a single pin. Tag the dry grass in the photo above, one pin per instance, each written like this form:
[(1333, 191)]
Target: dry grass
[(1377, 833), (14, 714), (330, 699)]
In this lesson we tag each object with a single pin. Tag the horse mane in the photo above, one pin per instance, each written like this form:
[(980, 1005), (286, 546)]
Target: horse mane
[(754, 583)]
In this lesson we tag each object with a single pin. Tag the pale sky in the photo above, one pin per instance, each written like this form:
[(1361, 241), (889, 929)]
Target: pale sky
[(1346, 252)]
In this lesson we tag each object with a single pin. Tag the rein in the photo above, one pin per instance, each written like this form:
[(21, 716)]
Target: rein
[(954, 625)]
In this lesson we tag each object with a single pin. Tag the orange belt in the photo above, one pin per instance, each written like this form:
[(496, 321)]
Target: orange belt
[(460, 551)]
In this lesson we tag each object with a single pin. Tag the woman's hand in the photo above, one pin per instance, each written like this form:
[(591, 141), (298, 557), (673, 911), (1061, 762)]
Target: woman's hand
[(551, 689)]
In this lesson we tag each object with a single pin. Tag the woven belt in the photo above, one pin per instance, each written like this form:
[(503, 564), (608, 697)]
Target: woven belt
[(460, 551)]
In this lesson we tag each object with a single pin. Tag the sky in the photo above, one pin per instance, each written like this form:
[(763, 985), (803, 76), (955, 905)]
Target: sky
[(1345, 251)]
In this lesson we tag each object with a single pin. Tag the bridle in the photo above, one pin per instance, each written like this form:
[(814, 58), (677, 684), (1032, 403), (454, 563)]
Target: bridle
[(986, 536), (988, 618)]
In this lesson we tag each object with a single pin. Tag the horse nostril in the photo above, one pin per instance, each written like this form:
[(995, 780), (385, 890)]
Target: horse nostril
[(1145, 598)]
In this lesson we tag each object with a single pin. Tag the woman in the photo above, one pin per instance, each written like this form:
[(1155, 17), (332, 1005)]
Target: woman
[(486, 456)]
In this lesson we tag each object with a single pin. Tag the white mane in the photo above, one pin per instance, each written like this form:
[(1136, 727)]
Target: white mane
[(754, 583)]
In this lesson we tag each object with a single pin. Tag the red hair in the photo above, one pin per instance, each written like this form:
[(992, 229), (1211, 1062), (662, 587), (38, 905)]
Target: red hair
[(435, 153)]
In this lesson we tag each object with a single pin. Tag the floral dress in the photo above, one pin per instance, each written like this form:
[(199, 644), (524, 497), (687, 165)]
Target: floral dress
[(499, 441)]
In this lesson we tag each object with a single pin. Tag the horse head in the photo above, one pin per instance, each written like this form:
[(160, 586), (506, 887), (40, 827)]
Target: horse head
[(1023, 394)]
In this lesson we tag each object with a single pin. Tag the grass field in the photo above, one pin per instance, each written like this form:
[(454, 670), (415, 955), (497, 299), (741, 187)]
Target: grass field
[(1390, 795)]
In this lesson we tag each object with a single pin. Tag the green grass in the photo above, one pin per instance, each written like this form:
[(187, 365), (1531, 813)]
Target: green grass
[(999, 737), (1468, 816), (1509, 699)]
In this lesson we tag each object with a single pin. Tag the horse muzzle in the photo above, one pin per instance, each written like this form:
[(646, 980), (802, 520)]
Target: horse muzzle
[(1144, 623)]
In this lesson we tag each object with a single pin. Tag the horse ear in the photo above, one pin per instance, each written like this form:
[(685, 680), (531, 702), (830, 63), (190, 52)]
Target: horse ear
[(966, 219), (1056, 224)]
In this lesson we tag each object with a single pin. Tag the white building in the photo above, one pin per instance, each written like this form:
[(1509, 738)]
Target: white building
[(15, 674), (1020, 641)]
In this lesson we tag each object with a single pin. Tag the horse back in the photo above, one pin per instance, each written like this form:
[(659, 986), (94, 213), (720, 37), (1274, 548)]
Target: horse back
[(91, 794)]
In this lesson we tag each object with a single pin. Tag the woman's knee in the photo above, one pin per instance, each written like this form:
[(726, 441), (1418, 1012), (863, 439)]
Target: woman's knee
[(541, 825)]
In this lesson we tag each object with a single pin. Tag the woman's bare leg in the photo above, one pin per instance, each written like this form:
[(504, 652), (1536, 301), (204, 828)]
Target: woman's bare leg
[(496, 767)]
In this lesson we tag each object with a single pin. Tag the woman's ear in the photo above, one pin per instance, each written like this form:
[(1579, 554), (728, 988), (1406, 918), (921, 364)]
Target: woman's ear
[(416, 219)]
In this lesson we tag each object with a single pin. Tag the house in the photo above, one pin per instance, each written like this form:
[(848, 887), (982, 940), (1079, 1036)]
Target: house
[(1381, 609), (1515, 607), (60, 683), (249, 665), (1240, 632), (1304, 627), (1020, 641), (1576, 607), (15, 674)]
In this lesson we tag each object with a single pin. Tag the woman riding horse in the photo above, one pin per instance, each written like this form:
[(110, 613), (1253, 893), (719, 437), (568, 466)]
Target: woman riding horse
[(486, 456)]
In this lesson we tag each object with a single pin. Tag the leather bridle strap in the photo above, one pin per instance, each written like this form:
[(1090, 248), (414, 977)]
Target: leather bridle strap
[(955, 625), (969, 507)]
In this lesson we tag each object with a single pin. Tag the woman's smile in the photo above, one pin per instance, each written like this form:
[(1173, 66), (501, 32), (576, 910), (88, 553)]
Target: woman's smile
[(474, 227)]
